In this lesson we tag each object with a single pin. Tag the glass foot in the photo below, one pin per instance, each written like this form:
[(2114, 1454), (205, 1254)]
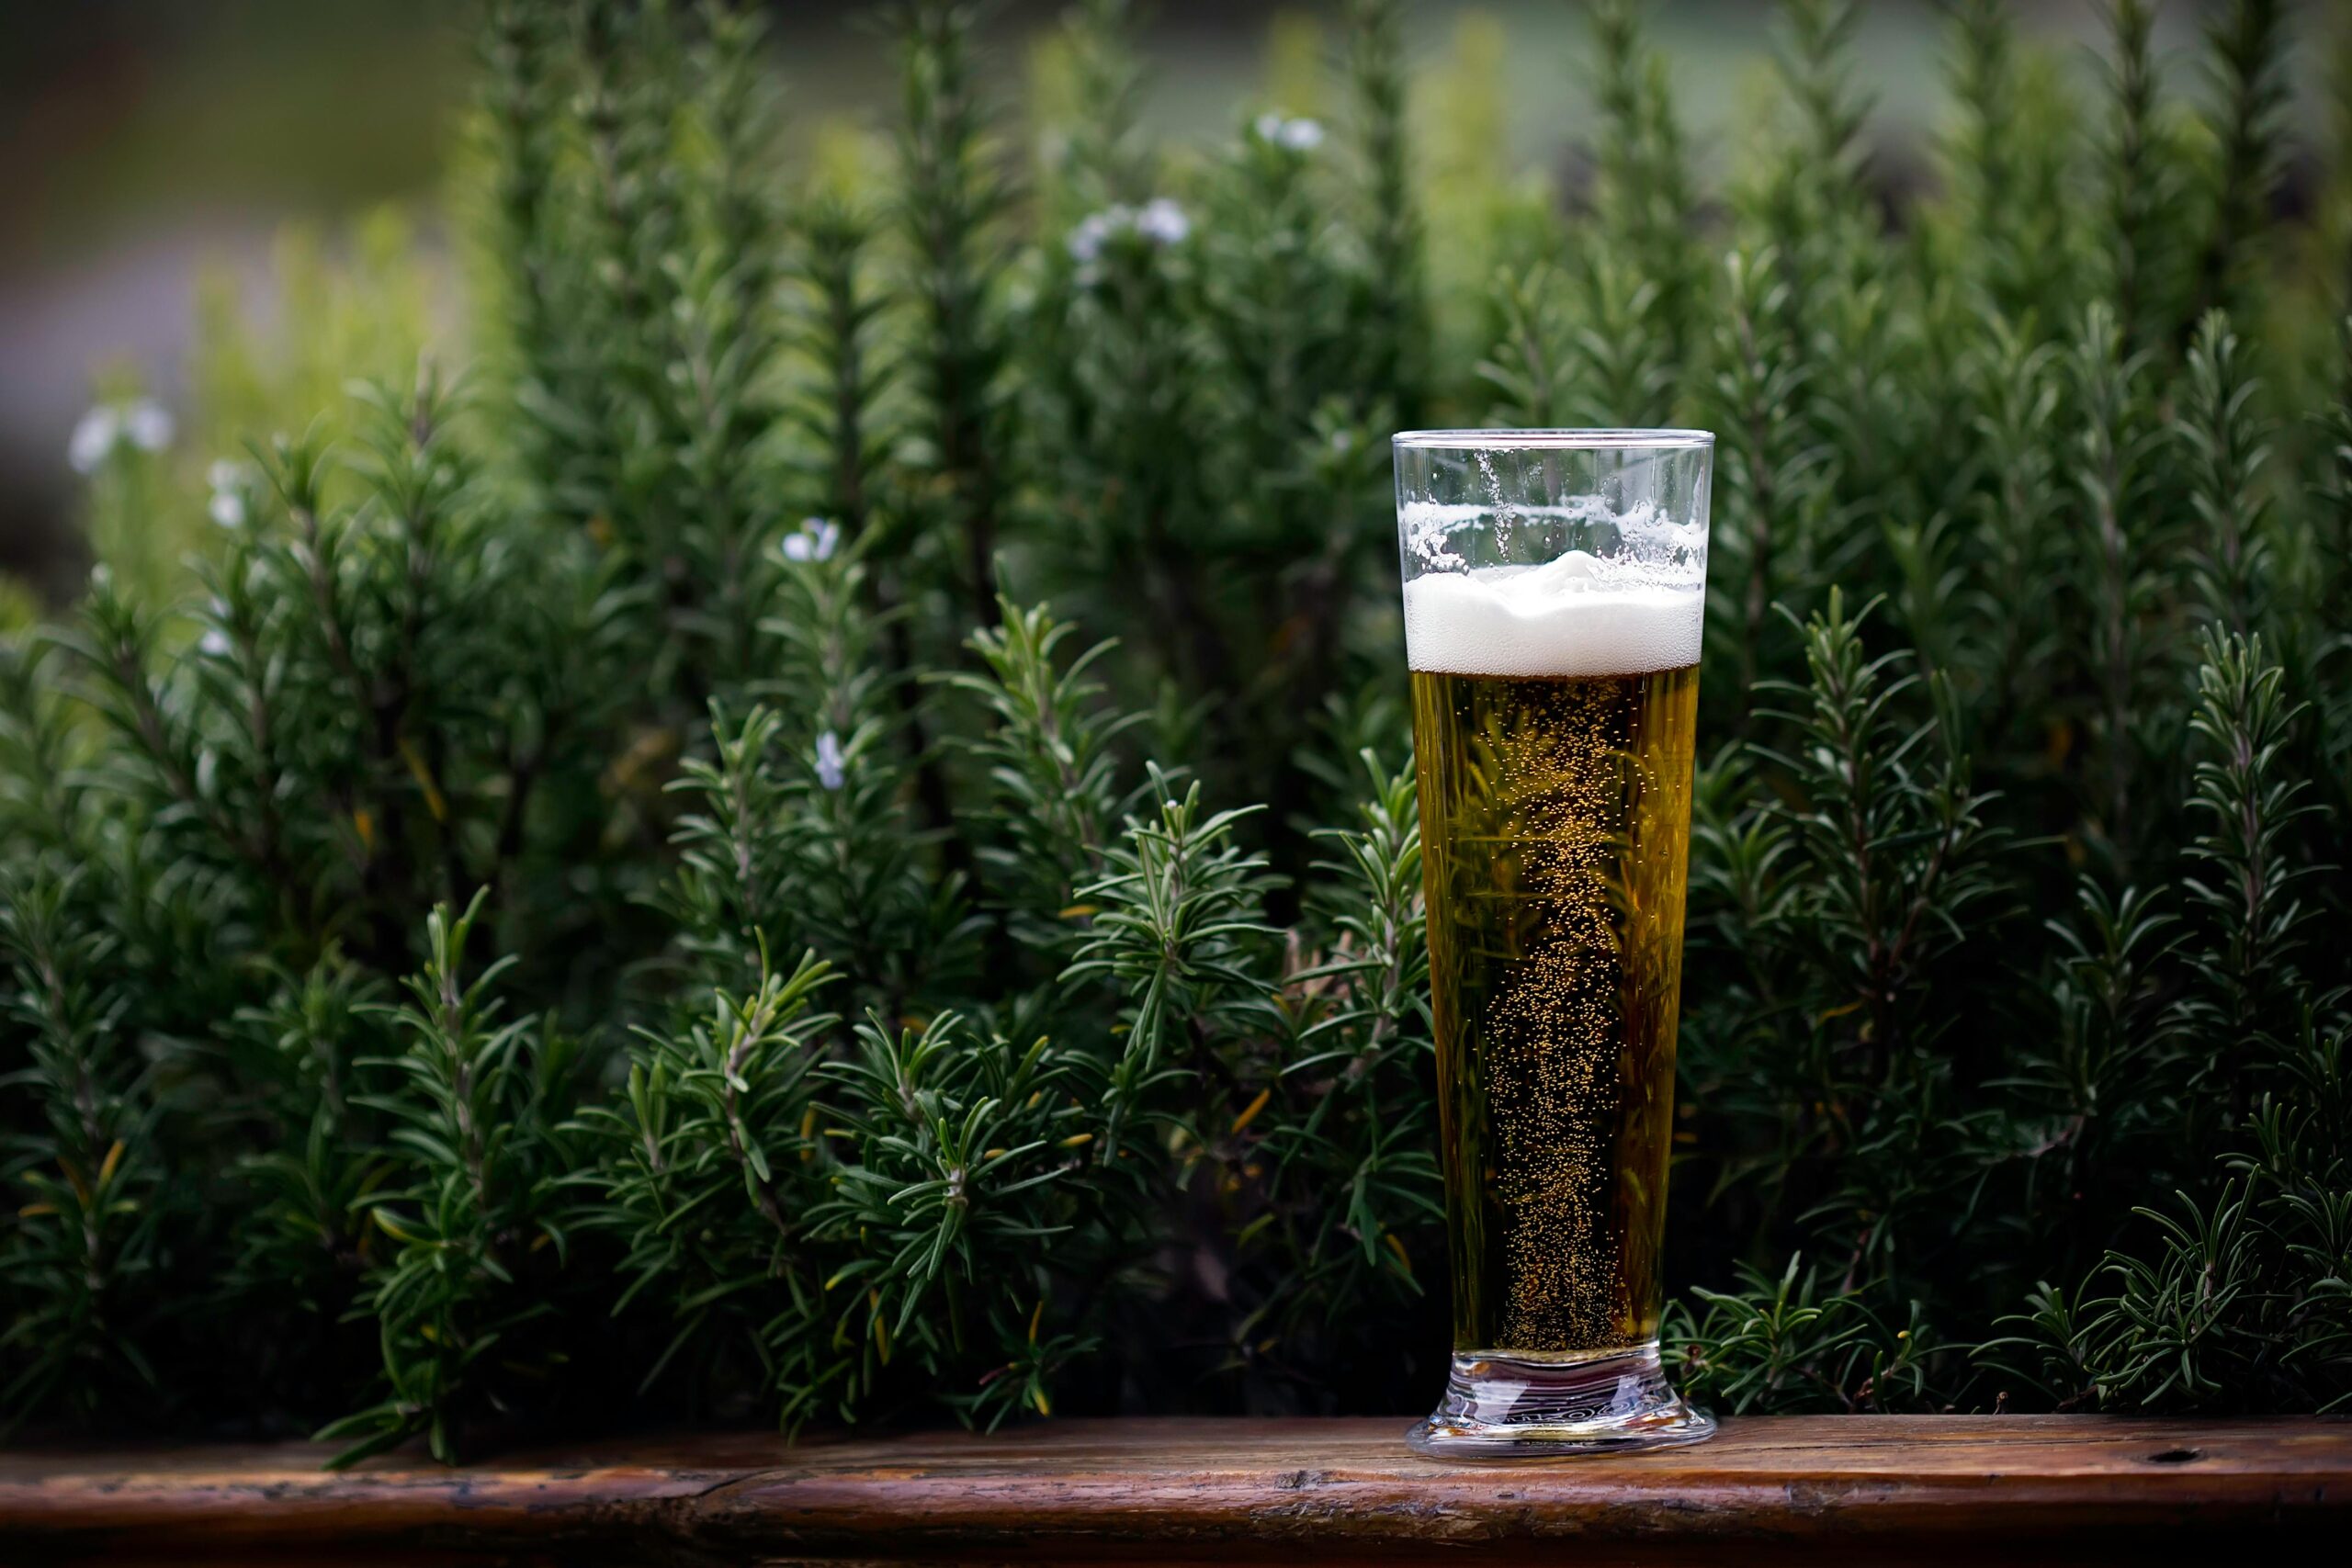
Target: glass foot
[(1528, 1406)]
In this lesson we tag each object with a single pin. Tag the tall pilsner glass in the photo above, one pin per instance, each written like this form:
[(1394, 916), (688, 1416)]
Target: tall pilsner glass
[(1555, 590)]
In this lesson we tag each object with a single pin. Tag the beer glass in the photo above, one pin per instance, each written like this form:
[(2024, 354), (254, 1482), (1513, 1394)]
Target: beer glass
[(1554, 593)]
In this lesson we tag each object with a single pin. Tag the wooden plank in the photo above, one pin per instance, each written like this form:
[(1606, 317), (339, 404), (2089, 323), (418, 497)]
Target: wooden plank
[(1783, 1489)]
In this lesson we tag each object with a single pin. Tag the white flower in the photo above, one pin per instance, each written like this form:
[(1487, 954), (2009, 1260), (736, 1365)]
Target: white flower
[(1163, 223), (832, 766), (94, 439), (1296, 135), (215, 642), (227, 478), (815, 539), (149, 424), (1086, 240), (1158, 220)]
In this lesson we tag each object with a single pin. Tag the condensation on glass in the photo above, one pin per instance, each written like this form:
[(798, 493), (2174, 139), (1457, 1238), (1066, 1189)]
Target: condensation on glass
[(1555, 596)]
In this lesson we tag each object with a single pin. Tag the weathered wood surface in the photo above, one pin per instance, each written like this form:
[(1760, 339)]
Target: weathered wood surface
[(1768, 1490)]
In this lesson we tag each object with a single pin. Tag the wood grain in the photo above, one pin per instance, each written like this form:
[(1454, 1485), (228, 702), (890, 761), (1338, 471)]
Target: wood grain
[(1767, 1489)]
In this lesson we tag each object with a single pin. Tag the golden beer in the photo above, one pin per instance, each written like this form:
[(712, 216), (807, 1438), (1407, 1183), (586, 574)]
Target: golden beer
[(1555, 817), (1554, 593)]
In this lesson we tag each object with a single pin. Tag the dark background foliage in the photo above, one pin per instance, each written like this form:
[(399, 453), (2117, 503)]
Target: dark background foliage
[(827, 834)]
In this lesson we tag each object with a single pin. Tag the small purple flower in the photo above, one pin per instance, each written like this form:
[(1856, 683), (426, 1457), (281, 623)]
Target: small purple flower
[(1158, 220), (214, 642), (833, 767), (1163, 223), (815, 539), (1087, 240)]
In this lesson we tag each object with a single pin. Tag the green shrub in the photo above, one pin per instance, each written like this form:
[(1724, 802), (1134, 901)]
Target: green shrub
[(875, 997)]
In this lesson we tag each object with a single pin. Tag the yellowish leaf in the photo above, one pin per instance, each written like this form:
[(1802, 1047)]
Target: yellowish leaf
[(423, 776)]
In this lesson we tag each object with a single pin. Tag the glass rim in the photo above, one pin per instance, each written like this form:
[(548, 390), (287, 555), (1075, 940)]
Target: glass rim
[(1562, 440)]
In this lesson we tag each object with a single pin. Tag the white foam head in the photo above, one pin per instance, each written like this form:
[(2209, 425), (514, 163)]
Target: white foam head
[(1506, 621), (1635, 610)]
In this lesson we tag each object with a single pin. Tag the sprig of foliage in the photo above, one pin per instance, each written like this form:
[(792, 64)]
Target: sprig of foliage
[(2009, 180), (701, 1156), (2124, 553), (1901, 861), (1643, 206), (954, 195), (93, 1213), (1769, 464), (1798, 1343), (1179, 931), (473, 1105), (2013, 544), (1349, 1112), (966, 1151), (2140, 186), (2247, 47), (2227, 447), (2242, 878), (1054, 772), (1391, 322)]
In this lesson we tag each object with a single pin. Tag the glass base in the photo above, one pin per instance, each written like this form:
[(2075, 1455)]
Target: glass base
[(1591, 1402)]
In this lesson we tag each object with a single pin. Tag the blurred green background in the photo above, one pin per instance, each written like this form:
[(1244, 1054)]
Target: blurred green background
[(167, 164)]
